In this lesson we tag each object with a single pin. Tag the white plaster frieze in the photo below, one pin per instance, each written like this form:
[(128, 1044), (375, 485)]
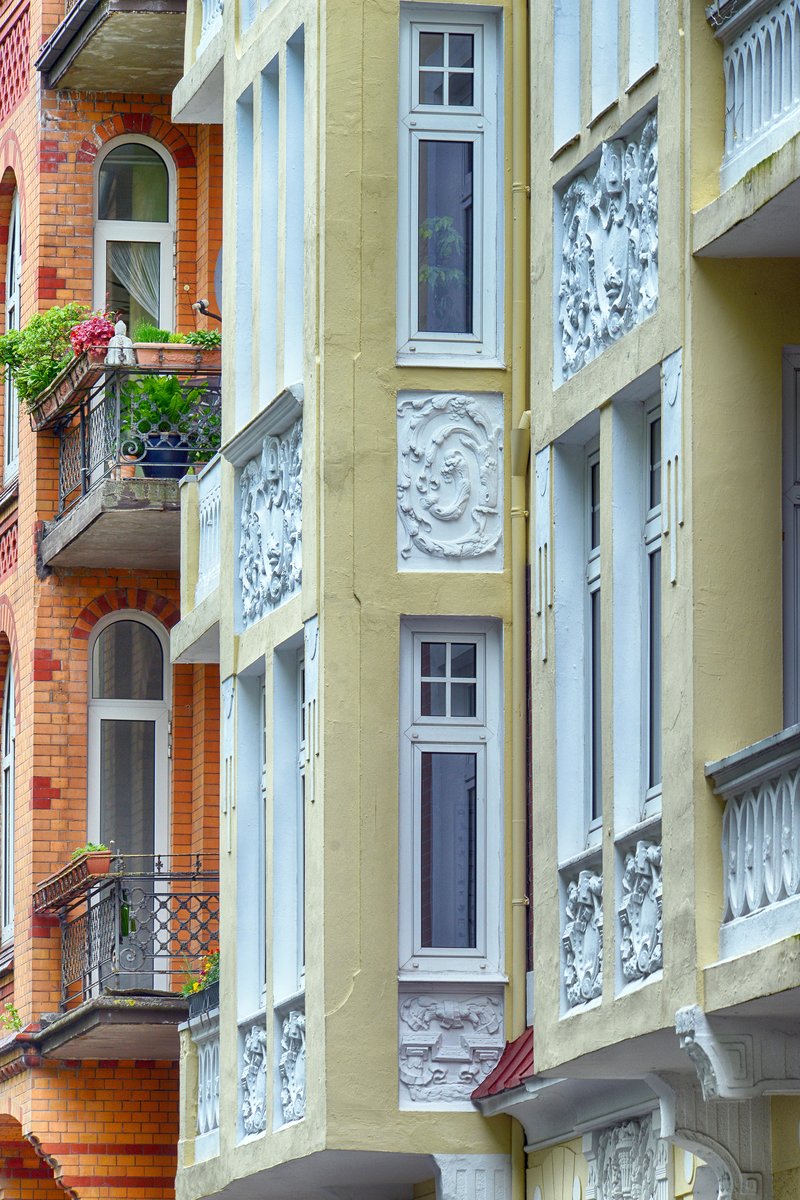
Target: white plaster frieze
[(450, 482), (448, 1043), (608, 278), (270, 540), (583, 939), (473, 1176), (640, 913), (253, 1080), (292, 1065), (627, 1161)]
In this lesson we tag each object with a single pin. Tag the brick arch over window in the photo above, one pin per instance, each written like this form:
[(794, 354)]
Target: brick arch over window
[(138, 599), (11, 180), (8, 634), (168, 136)]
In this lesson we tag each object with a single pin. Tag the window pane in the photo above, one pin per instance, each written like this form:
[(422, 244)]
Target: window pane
[(128, 785), (445, 237), (461, 50), (434, 659), (433, 702), (654, 498), (128, 663), (654, 688), (431, 87), (133, 185), (594, 501), (596, 711), (462, 700), (462, 660), (431, 49), (448, 850), (133, 281), (460, 89)]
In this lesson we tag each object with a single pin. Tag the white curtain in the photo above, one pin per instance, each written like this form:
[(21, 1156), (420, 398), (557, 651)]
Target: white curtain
[(137, 267)]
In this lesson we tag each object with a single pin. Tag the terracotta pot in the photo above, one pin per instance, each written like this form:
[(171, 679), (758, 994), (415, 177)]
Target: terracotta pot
[(98, 862), (174, 355)]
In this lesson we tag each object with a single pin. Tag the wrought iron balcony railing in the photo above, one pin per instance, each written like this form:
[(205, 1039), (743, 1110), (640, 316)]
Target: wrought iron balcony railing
[(140, 928), (137, 422)]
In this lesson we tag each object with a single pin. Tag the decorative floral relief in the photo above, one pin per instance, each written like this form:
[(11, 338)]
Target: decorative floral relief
[(609, 249), (627, 1162), (450, 481), (448, 1044), (270, 544), (253, 1079), (641, 948), (583, 939), (292, 1065)]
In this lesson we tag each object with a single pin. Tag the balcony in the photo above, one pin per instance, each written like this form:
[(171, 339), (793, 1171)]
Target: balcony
[(116, 46), (196, 637), (761, 43), (203, 1033), (126, 435), (760, 788), (129, 935)]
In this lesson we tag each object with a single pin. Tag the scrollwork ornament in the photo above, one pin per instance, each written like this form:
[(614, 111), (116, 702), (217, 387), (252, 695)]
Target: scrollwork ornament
[(583, 939), (449, 488), (448, 1044), (270, 542), (292, 1066), (609, 248), (640, 914), (253, 1080)]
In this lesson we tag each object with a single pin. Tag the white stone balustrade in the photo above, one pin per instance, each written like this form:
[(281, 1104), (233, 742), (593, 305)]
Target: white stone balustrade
[(761, 62), (211, 22), (205, 1035), (208, 501), (760, 841)]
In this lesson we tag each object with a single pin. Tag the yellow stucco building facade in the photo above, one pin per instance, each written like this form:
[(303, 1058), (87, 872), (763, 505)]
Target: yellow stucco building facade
[(500, 564)]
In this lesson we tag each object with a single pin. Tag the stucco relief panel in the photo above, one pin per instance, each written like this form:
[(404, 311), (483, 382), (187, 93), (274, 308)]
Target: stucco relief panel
[(607, 232), (270, 539), (449, 482), (448, 1043), (583, 938), (640, 913)]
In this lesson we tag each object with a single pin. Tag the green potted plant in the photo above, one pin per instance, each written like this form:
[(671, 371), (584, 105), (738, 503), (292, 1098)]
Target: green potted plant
[(159, 348), (158, 429), (38, 354), (96, 855), (202, 989)]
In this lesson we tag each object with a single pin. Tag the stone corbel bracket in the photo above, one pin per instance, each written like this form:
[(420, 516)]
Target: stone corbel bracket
[(736, 1063)]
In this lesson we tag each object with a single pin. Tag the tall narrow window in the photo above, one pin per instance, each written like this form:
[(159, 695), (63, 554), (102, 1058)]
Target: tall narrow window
[(451, 793), (8, 739), (288, 821), (294, 276), (302, 744), (594, 638), (134, 234), (652, 543), (448, 233), (13, 272)]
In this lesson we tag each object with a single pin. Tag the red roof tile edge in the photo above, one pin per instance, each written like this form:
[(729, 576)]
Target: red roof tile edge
[(514, 1067)]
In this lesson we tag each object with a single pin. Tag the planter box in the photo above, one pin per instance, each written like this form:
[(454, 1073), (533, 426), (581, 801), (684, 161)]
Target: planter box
[(67, 388), (173, 356), (73, 879), (205, 1001)]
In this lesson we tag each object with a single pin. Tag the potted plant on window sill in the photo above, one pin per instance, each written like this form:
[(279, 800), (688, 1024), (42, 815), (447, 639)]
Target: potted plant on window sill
[(154, 347)]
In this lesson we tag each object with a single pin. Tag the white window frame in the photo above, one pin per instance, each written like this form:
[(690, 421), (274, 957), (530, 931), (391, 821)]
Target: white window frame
[(8, 790), (593, 588), (483, 736), (791, 534), (161, 233), (157, 711), (290, 763), (13, 273), (652, 545), (482, 125)]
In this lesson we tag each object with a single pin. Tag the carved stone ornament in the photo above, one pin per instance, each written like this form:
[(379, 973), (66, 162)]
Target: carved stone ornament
[(641, 925), (448, 1044), (583, 939), (450, 482), (627, 1162), (292, 1066), (253, 1080), (270, 543), (609, 248)]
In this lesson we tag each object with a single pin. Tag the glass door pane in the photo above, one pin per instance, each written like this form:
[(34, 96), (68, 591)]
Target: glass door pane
[(448, 850), (133, 282), (128, 785)]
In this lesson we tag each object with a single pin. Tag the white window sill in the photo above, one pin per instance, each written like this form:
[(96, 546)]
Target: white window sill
[(457, 975), (428, 359)]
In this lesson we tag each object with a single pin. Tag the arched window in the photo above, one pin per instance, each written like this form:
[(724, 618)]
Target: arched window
[(13, 271), (134, 233), (129, 735), (7, 737)]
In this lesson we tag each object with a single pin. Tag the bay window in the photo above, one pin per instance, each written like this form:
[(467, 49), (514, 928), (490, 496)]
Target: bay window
[(449, 240)]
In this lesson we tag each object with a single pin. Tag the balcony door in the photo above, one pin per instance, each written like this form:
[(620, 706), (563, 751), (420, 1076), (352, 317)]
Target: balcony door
[(129, 737)]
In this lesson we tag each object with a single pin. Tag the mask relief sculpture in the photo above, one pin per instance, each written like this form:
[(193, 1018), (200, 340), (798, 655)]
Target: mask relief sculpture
[(270, 544), (449, 484), (641, 928), (609, 251), (583, 939), (448, 1044), (292, 1066), (253, 1080)]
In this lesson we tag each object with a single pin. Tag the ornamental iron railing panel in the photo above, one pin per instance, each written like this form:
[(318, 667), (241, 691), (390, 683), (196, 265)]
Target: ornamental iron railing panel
[(143, 927), (138, 421)]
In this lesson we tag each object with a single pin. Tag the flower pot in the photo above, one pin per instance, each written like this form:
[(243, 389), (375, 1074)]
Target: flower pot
[(165, 456), (204, 1001), (98, 862), (175, 356)]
